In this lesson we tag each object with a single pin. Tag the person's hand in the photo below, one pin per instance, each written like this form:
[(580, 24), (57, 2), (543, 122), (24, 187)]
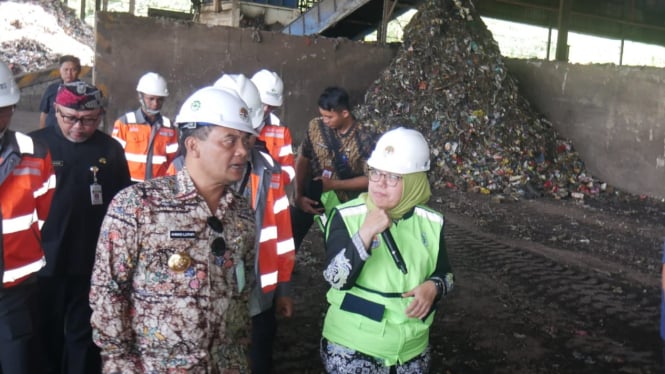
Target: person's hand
[(284, 306), (423, 297), (327, 184), (308, 205), (376, 221)]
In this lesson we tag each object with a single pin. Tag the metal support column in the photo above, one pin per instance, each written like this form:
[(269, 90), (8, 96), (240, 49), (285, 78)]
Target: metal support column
[(388, 9), (562, 34), (549, 43), (621, 52)]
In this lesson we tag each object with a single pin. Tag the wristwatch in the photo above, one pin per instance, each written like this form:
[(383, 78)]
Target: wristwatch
[(440, 286)]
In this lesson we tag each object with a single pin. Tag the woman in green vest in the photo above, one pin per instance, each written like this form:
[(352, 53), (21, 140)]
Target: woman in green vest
[(387, 265)]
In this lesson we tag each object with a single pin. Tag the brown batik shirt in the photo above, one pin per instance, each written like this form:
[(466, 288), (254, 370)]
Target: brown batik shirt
[(356, 146), (148, 318)]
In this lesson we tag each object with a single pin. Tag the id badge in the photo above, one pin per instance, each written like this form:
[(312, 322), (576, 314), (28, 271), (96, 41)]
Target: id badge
[(326, 174), (96, 194), (240, 275)]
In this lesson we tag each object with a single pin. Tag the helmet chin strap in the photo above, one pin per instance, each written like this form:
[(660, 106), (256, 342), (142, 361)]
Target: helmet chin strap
[(150, 111), (144, 107)]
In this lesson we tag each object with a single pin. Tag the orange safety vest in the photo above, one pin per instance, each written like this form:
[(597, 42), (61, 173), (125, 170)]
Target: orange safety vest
[(279, 144), (276, 255), (135, 134), (27, 185)]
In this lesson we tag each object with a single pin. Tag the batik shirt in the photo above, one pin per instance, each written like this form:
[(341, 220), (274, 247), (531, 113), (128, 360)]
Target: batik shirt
[(148, 318), (355, 145)]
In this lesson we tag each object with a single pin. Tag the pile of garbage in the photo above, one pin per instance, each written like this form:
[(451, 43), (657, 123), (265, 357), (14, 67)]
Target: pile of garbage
[(25, 55), (34, 34), (71, 24), (450, 82)]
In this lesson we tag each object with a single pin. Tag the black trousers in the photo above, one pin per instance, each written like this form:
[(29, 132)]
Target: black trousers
[(264, 328), (20, 348), (66, 331), (300, 224)]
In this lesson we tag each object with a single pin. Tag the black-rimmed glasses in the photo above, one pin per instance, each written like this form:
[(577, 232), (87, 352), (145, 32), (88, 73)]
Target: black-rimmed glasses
[(391, 179), (73, 120), (218, 245)]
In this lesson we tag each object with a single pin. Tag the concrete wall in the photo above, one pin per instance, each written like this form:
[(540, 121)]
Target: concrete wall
[(615, 117), (192, 55)]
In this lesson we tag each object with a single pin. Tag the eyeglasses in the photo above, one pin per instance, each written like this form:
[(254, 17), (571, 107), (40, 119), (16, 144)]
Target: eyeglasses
[(218, 245), (391, 179), (73, 120)]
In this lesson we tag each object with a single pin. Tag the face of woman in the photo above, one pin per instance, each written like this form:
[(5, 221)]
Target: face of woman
[(385, 188)]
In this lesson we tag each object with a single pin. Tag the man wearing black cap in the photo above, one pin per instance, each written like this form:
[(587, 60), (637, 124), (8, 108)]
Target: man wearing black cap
[(90, 169)]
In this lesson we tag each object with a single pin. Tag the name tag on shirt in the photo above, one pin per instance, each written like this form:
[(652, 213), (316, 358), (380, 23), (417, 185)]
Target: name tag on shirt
[(182, 234), (96, 194), (166, 132)]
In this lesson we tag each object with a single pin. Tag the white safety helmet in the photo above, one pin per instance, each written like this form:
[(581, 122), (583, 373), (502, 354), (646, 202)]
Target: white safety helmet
[(243, 87), (271, 87), (401, 151), (9, 91), (153, 84), (215, 106)]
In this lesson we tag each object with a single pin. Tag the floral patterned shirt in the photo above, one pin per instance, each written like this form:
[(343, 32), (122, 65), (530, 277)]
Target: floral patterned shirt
[(148, 318)]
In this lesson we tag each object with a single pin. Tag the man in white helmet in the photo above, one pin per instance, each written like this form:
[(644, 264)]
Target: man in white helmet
[(276, 137), (27, 182), (149, 139), (175, 259), (264, 185)]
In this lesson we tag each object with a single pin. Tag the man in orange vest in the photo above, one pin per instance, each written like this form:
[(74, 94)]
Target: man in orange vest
[(27, 183), (149, 139), (276, 136), (263, 185)]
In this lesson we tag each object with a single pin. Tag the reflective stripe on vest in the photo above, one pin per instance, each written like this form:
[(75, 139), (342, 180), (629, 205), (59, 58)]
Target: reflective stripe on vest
[(20, 272), (16, 224)]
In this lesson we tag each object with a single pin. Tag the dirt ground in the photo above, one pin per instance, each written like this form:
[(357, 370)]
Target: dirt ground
[(542, 286)]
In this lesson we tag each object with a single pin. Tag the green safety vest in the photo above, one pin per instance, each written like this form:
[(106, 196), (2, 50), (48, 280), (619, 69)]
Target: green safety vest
[(395, 338), (329, 200)]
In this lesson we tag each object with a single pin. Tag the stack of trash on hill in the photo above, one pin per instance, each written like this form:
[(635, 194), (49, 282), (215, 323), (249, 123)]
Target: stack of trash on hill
[(450, 82), (26, 27)]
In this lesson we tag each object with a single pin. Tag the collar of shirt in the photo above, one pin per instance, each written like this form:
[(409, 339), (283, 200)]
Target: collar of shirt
[(142, 118), (185, 189)]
